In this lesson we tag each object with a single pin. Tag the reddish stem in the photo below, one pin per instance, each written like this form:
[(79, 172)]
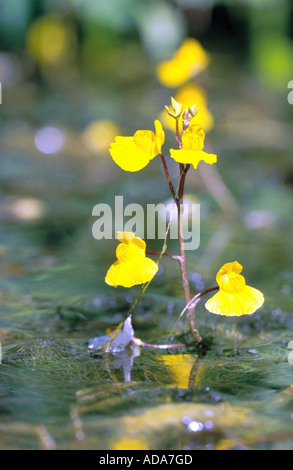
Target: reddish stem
[(171, 255), (184, 275), (169, 179)]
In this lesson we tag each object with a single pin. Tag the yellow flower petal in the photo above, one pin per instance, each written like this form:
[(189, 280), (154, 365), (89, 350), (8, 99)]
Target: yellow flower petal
[(132, 272), (192, 157), (134, 153), (234, 297), (192, 147), (125, 237), (229, 277), (193, 138), (128, 252), (128, 155), (187, 61), (129, 237), (245, 302), (159, 138)]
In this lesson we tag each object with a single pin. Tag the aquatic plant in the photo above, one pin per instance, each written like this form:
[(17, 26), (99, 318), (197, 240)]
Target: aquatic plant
[(132, 154)]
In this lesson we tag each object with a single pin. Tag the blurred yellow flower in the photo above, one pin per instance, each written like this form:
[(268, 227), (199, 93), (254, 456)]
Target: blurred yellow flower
[(187, 61), (134, 153), (99, 135), (49, 40), (132, 267), (190, 95), (192, 147), (234, 298)]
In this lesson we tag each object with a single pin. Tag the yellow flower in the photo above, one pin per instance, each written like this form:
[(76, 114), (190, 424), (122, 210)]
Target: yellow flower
[(132, 267), (134, 153), (192, 147), (234, 298), (187, 61), (190, 95)]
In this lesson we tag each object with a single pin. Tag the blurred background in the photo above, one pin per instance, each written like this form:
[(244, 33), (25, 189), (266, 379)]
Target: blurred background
[(76, 73)]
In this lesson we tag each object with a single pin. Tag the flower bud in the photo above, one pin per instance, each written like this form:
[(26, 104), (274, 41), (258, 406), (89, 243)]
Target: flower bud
[(186, 119), (193, 110), (175, 109)]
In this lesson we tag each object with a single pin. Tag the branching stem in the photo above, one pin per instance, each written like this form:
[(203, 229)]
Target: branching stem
[(182, 256), (194, 301), (184, 275), (171, 255)]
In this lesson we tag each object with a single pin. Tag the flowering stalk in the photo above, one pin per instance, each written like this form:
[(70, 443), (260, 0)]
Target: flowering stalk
[(176, 112), (132, 267), (182, 257), (183, 268)]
